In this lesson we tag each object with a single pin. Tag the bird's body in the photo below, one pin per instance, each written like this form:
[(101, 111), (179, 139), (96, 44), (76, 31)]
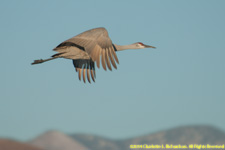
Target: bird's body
[(89, 47)]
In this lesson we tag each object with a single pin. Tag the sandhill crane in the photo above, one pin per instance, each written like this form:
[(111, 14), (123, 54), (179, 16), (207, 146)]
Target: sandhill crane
[(86, 49)]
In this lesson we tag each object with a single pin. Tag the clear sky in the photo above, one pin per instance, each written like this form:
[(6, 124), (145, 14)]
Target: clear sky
[(179, 83)]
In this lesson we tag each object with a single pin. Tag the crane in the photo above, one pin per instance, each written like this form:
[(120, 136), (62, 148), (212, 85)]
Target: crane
[(90, 47)]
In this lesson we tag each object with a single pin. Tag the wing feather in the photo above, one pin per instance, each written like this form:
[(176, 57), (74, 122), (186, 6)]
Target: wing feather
[(85, 67), (84, 74), (103, 60), (95, 42), (107, 59), (99, 52), (88, 74), (79, 73), (115, 57), (92, 70), (111, 58), (92, 75)]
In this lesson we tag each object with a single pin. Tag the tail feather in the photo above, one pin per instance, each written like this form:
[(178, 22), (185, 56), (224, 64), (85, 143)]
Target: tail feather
[(57, 55)]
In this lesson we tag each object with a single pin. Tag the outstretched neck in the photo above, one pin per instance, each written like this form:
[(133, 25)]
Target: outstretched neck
[(124, 47)]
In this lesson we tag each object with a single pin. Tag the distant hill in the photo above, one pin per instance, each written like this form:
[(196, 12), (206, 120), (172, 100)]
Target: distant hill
[(55, 140), (180, 135), (94, 142), (184, 135), (6, 144)]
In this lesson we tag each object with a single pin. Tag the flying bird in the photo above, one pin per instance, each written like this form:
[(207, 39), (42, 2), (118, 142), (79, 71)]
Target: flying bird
[(90, 47)]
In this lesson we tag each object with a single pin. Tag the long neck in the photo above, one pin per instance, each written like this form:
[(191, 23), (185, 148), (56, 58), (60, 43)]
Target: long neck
[(124, 47)]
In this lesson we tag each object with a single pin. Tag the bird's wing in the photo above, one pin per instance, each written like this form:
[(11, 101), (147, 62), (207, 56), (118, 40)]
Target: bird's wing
[(98, 45), (85, 67)]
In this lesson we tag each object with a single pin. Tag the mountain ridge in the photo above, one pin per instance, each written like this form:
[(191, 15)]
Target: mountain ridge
[(56, 140), (182, 135), (191, 134)]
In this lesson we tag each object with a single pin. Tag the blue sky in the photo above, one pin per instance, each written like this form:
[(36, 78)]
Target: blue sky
[(179, 83)]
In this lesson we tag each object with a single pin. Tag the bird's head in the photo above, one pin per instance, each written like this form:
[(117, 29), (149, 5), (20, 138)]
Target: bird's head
[(140, 45)]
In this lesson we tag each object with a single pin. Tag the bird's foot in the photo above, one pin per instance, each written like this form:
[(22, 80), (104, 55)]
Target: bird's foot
[(38, 61)]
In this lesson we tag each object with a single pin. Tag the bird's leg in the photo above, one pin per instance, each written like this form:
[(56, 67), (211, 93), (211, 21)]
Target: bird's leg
[(42, 60)]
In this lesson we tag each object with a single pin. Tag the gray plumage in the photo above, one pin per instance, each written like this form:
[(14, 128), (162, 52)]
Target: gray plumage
[(90, 47)]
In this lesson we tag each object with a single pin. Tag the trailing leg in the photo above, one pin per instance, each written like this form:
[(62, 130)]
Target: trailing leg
[(42, 60)]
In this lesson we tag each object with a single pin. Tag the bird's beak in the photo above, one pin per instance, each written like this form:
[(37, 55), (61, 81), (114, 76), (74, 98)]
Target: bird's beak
[(148, 46)]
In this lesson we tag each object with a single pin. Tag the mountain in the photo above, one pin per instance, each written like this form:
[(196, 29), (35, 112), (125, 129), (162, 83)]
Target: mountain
[(181, 135), (6, 144), (184, 135), (55, 140), (94, 142)]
